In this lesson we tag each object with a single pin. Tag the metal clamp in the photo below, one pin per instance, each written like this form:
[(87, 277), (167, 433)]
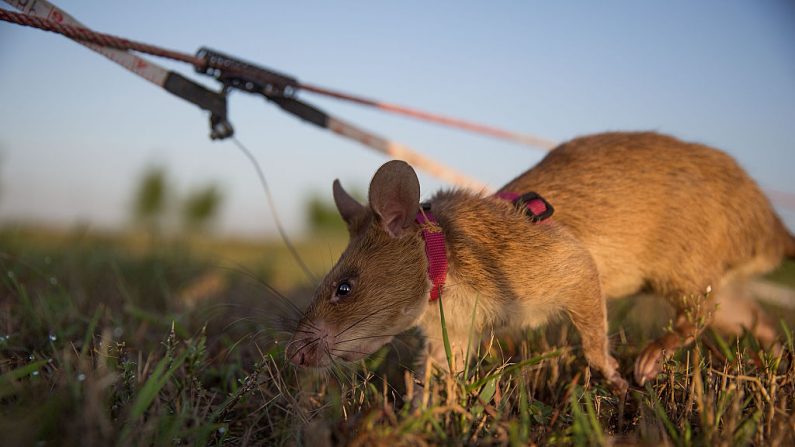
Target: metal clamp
[(233, 72), (213, 102)]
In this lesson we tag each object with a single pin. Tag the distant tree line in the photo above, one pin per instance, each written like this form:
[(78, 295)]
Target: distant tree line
[(322, 215), (156, 207), (154, 203)]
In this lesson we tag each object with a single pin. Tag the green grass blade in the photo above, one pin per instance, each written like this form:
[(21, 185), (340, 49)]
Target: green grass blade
[(596, 427), (743, 434), (524, 411), (787, 334), (150, 390), (469, 338), (447, 350), (663, 416), (154, 318), (7, 380), (90, 331), (484, 397), (531, 361), (724, 347)]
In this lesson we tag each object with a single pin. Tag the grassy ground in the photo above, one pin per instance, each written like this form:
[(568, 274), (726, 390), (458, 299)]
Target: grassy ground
[(128, 341)]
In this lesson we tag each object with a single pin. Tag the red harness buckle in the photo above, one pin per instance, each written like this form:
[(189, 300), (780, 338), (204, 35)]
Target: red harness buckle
[(536, 207)]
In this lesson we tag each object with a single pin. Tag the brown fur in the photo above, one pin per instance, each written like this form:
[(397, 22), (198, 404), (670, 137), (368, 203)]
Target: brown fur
[(655, 211), (634, 211)]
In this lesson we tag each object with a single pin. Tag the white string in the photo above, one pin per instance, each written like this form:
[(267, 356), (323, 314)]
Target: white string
[(274, 212)]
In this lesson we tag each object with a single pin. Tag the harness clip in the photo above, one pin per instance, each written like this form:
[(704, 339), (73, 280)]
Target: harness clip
[(233, 72), (536, 207)]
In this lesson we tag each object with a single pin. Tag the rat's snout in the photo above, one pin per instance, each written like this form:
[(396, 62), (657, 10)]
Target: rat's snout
[(310, 345)]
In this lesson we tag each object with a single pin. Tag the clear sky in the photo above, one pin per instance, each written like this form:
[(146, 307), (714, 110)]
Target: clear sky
[(76, 130)]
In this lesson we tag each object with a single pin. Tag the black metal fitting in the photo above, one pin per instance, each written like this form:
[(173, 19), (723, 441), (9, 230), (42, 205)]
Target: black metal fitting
[(213, 102), (233, 72)]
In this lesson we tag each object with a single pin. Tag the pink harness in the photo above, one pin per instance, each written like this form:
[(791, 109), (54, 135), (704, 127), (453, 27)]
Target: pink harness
[(536, 208)]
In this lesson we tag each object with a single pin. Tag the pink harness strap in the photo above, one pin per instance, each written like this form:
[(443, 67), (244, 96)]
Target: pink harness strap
[(435, 249)]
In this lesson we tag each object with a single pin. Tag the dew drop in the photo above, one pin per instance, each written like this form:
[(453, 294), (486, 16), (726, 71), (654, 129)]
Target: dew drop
[(31, 357), (222, 430), (34, 373), (53, 337), (81, 377)]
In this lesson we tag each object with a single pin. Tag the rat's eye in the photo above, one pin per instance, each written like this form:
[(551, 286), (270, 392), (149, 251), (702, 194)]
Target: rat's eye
[(343, 289)]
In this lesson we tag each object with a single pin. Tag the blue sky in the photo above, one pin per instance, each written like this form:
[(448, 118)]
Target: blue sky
[(77, 130)]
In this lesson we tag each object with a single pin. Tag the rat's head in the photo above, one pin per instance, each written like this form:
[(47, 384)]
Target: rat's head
[(379, 287)]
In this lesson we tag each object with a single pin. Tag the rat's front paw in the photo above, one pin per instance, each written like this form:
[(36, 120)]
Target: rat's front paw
[(614, 378), (649, 363), (618, 384)]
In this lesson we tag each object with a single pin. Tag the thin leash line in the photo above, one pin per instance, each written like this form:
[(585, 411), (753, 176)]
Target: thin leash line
[(272, 204)]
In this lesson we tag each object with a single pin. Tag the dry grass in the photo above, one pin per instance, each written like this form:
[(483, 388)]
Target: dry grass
[(104, 345)]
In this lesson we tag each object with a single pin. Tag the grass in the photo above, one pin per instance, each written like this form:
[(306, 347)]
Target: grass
[(118, 341)]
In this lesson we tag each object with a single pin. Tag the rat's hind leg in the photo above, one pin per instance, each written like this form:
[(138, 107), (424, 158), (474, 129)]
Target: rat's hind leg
[(729, 309), (738, 311), (686, 327), (690, 290), (694, 312)]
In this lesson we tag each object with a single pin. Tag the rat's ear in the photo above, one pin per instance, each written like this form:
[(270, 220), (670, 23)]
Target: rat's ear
[(395, 196), (348, 207)]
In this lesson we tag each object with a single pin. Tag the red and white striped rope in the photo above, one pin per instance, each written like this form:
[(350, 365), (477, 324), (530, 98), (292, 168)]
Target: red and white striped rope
[(73, 30), (44, 15)]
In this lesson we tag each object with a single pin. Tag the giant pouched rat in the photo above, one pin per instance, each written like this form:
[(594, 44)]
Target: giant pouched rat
[(633, 212)]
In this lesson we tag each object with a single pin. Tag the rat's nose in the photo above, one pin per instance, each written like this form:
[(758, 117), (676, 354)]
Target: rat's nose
[(303, 351), (308, 355), (295, 355), (308, 346), (298, 359)]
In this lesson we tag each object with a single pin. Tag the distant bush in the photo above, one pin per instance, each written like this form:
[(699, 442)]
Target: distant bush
[(322, 214), (155, 205), (200, 208), (149, 202)]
